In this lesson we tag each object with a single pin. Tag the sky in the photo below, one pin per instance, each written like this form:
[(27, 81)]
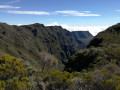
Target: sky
[(74, 15)]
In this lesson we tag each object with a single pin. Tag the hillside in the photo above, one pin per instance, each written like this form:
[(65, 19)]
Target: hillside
[(109, 37), (103, 49), (27, 41), (84, 36), (99, 64)]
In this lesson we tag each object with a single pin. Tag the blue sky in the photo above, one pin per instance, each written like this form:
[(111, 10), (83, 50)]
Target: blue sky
[(92, 15)]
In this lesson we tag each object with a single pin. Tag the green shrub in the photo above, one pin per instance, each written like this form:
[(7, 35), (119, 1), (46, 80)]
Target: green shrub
[(13, 74), (58, 79)]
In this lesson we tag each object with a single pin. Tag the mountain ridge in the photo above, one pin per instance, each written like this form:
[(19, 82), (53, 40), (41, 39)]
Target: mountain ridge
[(106, 38), (27, 41)]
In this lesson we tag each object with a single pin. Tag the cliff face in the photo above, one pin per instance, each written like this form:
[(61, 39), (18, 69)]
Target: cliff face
[(82, 37), (27, 41)]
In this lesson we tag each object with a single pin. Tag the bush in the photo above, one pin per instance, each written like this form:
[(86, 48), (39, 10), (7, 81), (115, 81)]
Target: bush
[(13, 74), (106, 78), (87, 58), (58, 80)]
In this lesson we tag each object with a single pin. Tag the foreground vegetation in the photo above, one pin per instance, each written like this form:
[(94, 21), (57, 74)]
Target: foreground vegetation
[(89, 69), (13, 74)]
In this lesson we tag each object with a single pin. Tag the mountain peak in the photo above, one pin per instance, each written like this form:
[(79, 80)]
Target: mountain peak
[(37, 25)]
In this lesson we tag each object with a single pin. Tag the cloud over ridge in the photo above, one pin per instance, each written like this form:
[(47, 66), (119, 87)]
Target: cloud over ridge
[(94, 30)]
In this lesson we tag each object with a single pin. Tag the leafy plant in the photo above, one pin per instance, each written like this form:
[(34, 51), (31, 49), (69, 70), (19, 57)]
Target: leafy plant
[(13, 74)]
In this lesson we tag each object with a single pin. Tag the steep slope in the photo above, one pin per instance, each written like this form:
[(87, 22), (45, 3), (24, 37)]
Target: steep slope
[(83, 36), (27, 41), (102, 50), (110, 37)]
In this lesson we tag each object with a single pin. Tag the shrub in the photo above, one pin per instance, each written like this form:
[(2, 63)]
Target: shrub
[(13, 74), (87, 58), (58, 79)]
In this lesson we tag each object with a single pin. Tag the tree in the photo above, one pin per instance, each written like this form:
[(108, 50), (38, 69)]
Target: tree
[(47, 62)]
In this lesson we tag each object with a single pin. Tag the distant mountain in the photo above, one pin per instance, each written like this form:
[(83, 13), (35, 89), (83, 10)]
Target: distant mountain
[(27, 41), (82, 36)]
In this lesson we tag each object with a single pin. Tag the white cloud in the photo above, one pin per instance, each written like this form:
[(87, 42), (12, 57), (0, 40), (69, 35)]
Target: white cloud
[(28, 12), (87, 11), (8, 7), (117, 10), (94, 30), (17, 24), (64, 13), (13, 1), (76, 13)]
